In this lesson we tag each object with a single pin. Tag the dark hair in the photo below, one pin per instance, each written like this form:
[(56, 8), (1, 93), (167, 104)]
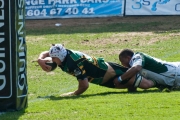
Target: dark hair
[(126, 52)]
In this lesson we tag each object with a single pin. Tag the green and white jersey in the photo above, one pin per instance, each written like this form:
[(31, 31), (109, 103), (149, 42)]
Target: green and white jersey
[(164, 73), (148, 62)]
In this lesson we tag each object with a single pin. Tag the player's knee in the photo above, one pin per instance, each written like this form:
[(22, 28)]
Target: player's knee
[(146, 86), (142, 82)]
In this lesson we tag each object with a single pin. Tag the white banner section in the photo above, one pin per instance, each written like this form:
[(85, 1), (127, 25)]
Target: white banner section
[(152, 7)]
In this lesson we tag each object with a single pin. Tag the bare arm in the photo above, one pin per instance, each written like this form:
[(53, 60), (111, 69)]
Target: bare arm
[(131, 72), (83, 86), (127, 75), (43, 55), (42, 62)]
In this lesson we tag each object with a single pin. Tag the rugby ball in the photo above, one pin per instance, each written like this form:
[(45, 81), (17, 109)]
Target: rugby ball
[(51, 63)]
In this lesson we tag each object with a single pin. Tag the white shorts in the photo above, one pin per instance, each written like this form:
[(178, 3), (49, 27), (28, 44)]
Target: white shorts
[(160, 79), (177, 77), (170, 77)]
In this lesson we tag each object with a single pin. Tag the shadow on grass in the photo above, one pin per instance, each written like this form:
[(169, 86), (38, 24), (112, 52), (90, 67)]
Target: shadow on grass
[(11, 115), (99, 94)]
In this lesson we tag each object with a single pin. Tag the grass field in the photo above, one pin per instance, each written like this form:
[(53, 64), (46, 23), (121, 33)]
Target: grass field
[(157, 37)]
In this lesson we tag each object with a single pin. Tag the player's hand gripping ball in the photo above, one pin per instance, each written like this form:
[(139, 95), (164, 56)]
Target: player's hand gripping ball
[(51, 63)]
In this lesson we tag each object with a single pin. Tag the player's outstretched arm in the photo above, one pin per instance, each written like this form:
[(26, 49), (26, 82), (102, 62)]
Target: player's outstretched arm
[(41, 61)]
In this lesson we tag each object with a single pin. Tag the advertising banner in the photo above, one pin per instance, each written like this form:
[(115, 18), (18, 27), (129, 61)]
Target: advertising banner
[(38, 9), (13, 78), (5, 50), (152, 7)]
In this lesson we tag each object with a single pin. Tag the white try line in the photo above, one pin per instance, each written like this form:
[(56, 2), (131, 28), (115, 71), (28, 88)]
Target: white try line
[(57, 93)]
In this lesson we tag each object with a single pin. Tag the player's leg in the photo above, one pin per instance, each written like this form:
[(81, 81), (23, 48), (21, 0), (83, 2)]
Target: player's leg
[(177, 78), (131, 84), (135, 82), (140, 82), (165, 79), (146, 84)]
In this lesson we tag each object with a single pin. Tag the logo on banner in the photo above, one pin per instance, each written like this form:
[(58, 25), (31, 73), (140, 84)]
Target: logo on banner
[(21, 58), (154, 8), (5, 50)]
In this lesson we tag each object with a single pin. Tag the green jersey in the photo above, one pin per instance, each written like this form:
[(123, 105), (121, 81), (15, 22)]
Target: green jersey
[(148, 62), (83, 66)]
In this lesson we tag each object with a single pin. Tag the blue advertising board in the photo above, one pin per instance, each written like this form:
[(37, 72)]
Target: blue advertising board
[(39, 9), (152, 7)]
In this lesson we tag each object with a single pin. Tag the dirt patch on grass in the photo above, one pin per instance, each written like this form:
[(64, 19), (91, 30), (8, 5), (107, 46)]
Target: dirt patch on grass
[(39, 24), (146, 37), (119, 38)]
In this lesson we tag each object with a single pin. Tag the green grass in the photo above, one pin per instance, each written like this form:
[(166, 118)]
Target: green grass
[(160, 39)]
